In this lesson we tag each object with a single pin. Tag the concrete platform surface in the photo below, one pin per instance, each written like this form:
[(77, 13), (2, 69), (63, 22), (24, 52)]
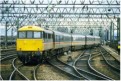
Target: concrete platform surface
[(112, 52)]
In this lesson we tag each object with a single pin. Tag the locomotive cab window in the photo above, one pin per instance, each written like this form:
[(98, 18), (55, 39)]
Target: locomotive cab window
[(22, 35), (37, 34), (29, 34)]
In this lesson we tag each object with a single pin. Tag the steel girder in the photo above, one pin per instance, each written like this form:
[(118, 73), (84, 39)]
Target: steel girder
[(74, 14)]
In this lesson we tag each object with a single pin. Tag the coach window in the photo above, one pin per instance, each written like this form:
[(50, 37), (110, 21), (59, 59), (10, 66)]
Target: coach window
[(44, 35), (51, 36), (61, 38), (88, 39), (57, 38), (92, 39), (22, 35), (37, 34), (81, 38), (48, 36)]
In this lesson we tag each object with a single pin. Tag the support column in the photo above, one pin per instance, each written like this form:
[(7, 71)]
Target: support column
[(17, 23), (111, 31), (91, 32), (118, 34), (12, 34), (118, 29), (107, 35), (6, 40)]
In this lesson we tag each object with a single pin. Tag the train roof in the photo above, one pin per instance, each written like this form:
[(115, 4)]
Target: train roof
[(57, 32), (61, 33), (30, 28), (96, 36), (90, 36), (48, 31), (77, 35)]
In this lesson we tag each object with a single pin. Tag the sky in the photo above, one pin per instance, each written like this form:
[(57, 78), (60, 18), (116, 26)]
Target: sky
[(2, 31)]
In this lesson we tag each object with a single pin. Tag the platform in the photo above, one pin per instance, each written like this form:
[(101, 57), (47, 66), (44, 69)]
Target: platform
[(112, 52)]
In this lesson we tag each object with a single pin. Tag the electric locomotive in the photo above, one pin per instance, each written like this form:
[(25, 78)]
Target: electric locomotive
[(29, 43), (35, 43)]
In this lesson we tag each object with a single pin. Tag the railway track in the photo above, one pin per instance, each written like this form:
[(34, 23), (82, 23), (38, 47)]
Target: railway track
[(10, 49), (112, 64), (87, 73), (93, 69), (82, 65), (35, 72), (7, 53), (80, 69), (110, 60), (23, 71), (6, 59), (12, 76), (101, 67), (71, 71)]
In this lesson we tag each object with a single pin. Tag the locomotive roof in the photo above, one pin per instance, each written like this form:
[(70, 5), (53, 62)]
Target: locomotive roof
[(30, 28)]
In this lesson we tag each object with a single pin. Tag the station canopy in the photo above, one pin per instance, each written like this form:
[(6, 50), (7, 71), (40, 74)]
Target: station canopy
[(77, 16)]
